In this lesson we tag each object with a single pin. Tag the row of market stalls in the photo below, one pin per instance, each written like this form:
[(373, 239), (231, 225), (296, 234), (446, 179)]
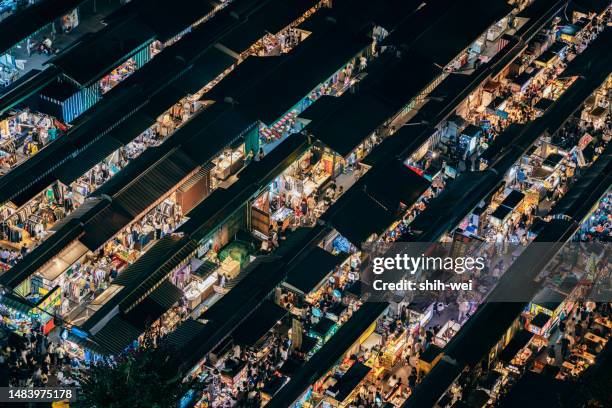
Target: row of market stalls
[(101, 160), (351, 373), (76, 80), (36, 21), (448, 381), (452, 371), (141, 301), (506, 163), (487, 362), (160, 204), (113, 291)]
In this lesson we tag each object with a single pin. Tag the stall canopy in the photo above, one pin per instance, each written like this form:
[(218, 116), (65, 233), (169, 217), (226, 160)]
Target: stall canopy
[(85, 161), (207, 67), (396, 184), (329, 354), (373, 219), (434, 385), (154, 305), (450, 34), (270, 19), (438, 218), (260, 322), (116, 335), (111, 47), (331, 45), (386, 13), (519, 341), (143, 276), (348, 382), (342, 123), (375, 200), (155, 182), (123, 329), (310, 272), (21, 25), (534, 389)]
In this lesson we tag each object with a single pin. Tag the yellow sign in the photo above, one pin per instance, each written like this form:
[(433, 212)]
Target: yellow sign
[(50, 301)]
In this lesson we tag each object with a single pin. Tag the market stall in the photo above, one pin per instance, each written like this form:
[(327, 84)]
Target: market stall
[(290, 198), (344, 385), (23, 134), (31, 223)]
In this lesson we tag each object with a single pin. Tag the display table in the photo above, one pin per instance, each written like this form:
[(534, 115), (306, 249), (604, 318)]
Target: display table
[(284, 215), (230, 268), (229, 165), (447, 331)]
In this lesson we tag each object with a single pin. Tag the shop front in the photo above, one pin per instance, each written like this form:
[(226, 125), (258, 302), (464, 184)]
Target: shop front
[(295, 197), (30, 224), (22, 134), (336, 85)]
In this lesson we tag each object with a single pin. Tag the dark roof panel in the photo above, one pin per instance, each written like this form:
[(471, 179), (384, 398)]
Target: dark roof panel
[(271, 18), (262, 320), (111, 47), (342, 123), (309, 272), (116, 335), (156, 181)]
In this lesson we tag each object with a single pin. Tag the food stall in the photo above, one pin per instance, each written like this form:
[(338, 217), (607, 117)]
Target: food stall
[(198, 290), (469, 139), (393, 349), (517, 353)]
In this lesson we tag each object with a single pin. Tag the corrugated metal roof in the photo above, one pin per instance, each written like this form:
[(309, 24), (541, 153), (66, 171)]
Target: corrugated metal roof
[(183, 250), (162, 254), (84, 212), (184, 333), (154, 305), (155, 182), (116, 335)]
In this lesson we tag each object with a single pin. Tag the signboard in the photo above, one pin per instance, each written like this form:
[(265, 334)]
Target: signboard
[(584, 141), (50, 301)]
